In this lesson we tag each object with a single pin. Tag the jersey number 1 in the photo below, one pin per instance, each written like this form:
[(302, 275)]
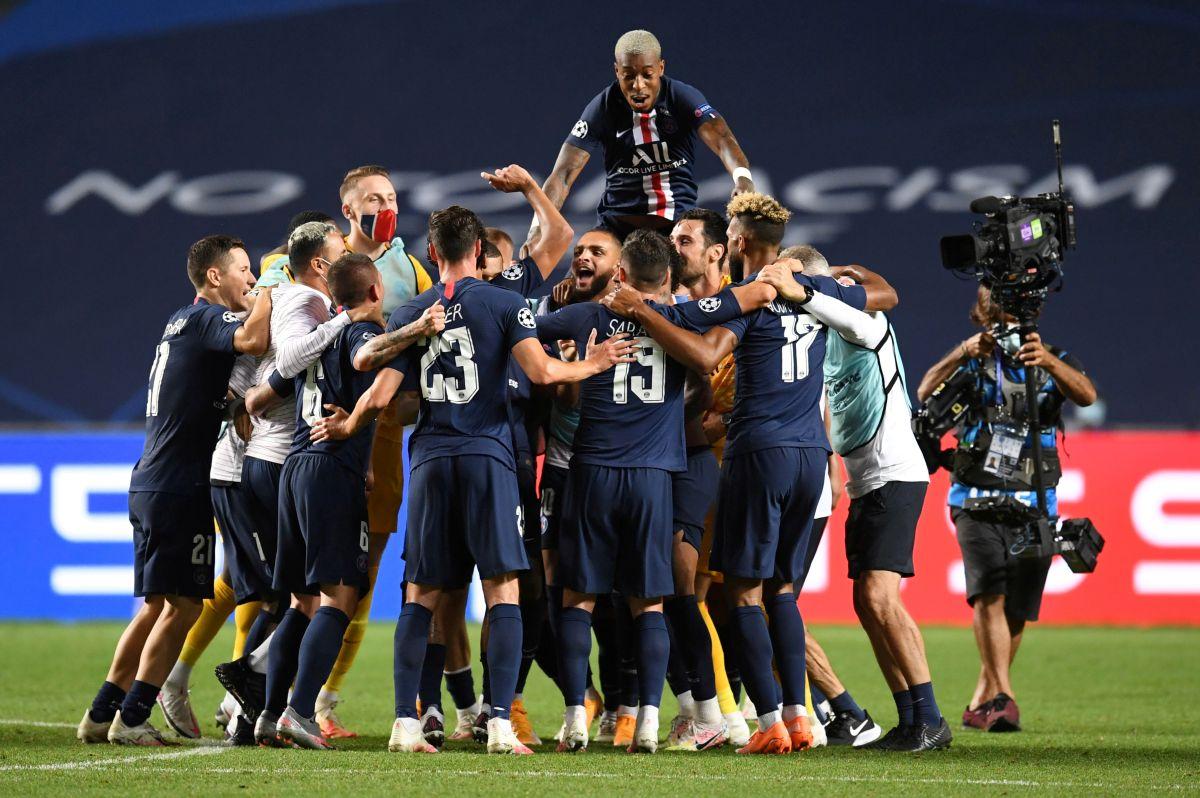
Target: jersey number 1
[(311, 401), (652, 389), (800, 336), (157, 369)]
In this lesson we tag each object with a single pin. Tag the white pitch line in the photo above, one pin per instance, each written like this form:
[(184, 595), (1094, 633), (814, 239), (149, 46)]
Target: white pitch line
[(41, 724), (122, 761)]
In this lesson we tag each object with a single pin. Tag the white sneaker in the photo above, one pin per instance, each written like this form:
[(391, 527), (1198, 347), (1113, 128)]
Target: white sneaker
[(680, 736), (818, 730), (501, 739), (739, 730), (608, 727), (558, 735), (142, 734), (465, 722), (575, 731), (176, 706), (408, 738), (301, 732), (705, 736), (90, 731), (645, 735), (227, 710), (266, 731)]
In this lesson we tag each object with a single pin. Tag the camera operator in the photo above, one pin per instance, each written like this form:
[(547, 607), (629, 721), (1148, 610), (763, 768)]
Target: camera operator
[(993, 458)]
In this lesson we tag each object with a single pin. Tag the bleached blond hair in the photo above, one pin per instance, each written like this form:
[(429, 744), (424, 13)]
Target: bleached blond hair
[(814, 262), (759, 208), (637, 42)]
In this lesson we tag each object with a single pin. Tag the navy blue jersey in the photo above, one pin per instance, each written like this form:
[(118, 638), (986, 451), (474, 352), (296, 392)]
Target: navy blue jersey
[(462, 372), (631, 416), (780, 360), (333, 380), (647, 156), (522, 276), (185, 399)]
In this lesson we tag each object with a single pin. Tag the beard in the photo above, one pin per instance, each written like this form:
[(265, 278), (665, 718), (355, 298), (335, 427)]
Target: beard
[(598, 286), (737, 267)]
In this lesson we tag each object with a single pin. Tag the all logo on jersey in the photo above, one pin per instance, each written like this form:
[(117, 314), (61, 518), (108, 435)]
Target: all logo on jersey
[(367, 336), (580, 130), (525, 318), (709, 303), (229, 317), (513, 272)]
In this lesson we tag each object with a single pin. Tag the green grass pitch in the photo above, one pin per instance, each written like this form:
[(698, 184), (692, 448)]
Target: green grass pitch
[(1105, 711)]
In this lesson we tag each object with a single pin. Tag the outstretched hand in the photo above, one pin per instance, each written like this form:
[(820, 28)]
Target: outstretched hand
[(510, 179)]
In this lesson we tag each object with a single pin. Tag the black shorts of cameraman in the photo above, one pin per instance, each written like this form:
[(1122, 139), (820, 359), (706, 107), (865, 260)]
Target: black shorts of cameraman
[(992, 570)]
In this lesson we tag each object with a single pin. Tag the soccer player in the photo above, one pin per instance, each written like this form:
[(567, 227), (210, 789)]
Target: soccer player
[(872, 431), (646, 125), (617, 526), (773, 467), (323, 510), (169, 504), (462, 462), (369, 204)]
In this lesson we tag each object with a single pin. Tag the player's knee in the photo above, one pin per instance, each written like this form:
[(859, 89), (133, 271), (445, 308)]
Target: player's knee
[(182, 609), (873, 597)]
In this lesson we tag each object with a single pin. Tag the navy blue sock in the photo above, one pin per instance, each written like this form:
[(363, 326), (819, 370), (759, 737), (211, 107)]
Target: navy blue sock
[(283, 658), (904, 707), (787, 639), (608, 656), (727, 634), (504, 655), (533, 615), (695, 645), (627, 646), (818, 698), (106, 703), (430, 691), (654, 647), (547, 651), (487, 678), (261, 629), (412, 635), (574, 651), (318, 651), (846, 703), (138, 703), (924, 706), (461, 685), (677, 676), (754, 649)]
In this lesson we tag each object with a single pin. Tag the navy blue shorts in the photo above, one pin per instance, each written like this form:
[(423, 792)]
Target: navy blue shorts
[(531, 531), (463, 513), (173, 542), (765, 510), (322, 526), (695, 493), (249, 557), (616, 531), (554, 487)]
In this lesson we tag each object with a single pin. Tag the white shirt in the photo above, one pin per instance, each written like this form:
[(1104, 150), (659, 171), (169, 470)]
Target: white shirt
[(300, 330)]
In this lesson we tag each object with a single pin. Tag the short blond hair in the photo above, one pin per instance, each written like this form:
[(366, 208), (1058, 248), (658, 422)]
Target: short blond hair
[(759, 208), (350, 181), (637, 42), (814, 262)]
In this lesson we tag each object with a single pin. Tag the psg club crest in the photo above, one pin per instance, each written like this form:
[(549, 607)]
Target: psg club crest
[(666, 123)]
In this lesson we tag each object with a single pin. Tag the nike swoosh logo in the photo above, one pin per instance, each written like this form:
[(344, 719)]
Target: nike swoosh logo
[(858, 730), (623, 132)]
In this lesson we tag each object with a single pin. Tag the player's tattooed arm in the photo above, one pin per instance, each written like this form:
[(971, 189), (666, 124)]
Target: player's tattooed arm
[(339, 424), (700, 353), (545, 370), (567, 166), (254, 336), (554, 233), (384, 348), (720, 139)]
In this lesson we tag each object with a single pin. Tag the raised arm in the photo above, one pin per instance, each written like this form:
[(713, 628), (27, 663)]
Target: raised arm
[(341, 425), (384, 348), (554, 237), (1074, 384), (570, 163), (720, 139), (545, 370), (254, 336)]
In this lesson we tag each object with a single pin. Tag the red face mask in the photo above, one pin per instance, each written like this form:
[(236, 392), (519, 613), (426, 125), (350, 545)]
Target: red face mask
[(380, 226)]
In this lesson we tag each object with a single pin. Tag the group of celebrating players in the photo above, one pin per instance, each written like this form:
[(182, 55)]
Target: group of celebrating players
[(676, 384)]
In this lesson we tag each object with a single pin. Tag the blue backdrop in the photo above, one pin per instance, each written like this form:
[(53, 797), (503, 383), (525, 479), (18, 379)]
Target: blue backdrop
[(133, 128)]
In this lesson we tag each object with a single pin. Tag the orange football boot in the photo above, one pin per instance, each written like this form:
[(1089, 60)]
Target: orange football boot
[(801, 733), (775, 740), (626, 726)]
